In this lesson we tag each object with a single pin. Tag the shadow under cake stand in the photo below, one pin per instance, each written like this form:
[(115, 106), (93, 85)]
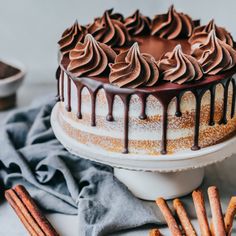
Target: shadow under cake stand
[(149, 177)]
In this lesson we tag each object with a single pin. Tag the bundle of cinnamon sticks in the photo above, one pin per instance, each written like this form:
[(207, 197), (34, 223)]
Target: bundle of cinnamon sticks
[(28, 212), (219, 226)]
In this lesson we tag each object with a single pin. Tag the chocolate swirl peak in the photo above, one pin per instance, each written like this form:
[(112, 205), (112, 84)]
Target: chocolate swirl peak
[(137, 24), (200, 34), (172, 25), (133, 69), (71, 37), (90, 58), (179, 68), (109, 31), (215, 55), (116, 15)]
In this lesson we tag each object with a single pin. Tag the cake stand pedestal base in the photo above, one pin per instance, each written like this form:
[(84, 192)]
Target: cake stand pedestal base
[(151, 185)]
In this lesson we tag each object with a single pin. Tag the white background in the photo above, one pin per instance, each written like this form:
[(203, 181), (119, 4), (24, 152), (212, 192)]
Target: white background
[(30, 29)]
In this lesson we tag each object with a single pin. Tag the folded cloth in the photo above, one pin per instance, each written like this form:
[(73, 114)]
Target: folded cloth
[(61, 182)]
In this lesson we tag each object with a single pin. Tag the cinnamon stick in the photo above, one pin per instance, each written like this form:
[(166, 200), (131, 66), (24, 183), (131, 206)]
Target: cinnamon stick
[(229, 216), (12, 200), (216, 211), (155, 232), (183, 218), (29, 213), (170, 220), (199, 205)]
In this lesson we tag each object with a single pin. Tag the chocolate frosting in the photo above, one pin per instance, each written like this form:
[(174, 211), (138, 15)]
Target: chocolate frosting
[(137, 24), (116, 15), (179, 68), (71, 37), (109, 30), (172, 25), (133, 69), (200, 34), (90, 58), (215, 55)]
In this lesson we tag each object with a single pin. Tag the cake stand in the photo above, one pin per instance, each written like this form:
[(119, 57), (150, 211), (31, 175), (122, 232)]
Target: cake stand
[(149, 177)]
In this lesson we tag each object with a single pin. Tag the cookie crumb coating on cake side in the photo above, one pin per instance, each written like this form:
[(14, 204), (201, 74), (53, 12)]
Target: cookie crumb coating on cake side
[(141, 86)]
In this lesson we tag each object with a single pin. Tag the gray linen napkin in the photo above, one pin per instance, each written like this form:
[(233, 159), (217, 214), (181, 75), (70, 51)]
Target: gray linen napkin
[(61, 182)]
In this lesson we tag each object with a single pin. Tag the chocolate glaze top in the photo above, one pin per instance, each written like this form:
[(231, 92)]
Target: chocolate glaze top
[(155, 37), (157, 48)]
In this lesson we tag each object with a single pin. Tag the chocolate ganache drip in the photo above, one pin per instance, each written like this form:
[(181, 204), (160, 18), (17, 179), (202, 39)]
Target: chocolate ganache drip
[(90, 58), (71, 37), (137, 24), (179, 68), (109, 31), (215, 55), (133, 69), (200, 34), (172, 25)]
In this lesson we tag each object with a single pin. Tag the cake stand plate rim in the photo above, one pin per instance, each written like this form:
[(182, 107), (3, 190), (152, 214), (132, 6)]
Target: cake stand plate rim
[(162, 163)]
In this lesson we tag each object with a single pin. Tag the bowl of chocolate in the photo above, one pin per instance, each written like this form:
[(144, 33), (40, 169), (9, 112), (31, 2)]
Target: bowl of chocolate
[(12, 74)]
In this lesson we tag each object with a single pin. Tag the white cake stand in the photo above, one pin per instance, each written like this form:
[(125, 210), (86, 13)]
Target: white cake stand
[(149, 177)]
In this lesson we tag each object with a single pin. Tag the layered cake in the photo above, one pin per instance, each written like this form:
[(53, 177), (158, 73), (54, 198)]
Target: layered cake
[(147, 86)]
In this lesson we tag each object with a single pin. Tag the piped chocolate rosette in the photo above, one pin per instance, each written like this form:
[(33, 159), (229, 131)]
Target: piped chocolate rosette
[(133, 69), (180, 68), (215, 55), (200, 34), (71, 37), (172, 25), (138, 24), (109, 30), (147, 86), (116, 15), (90, 58)]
